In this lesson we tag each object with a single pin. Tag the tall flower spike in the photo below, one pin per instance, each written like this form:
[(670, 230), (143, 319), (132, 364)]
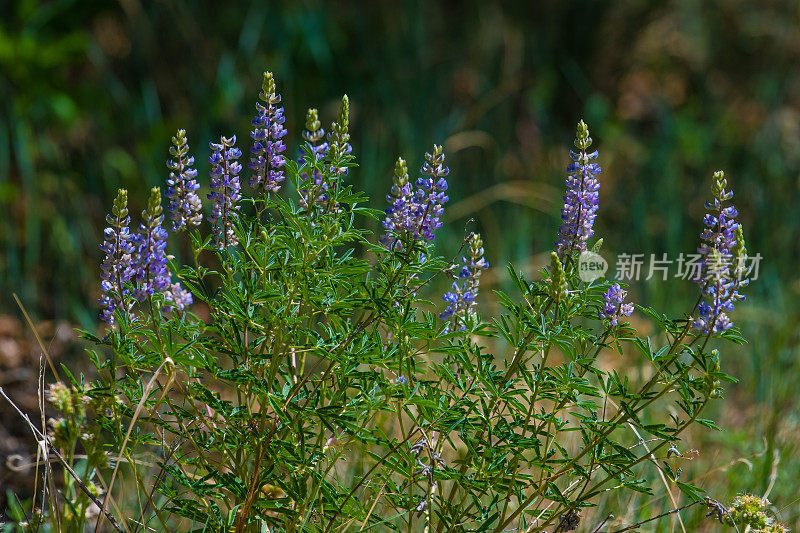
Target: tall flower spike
[(184, 204), (723, 253), (615, 308), (268, 131), (430, 194), (739, 254), (339, 138), (400, 220), (340, 135), (461, 300), (415, 213), (152, 275), (312, 188), (581, 198), (558, 280), (117, 266), (225, 190)]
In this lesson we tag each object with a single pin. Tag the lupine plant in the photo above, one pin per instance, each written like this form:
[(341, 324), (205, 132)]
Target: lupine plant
[(295, 377)]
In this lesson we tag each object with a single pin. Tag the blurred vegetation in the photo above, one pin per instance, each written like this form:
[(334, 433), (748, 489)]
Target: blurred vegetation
[(90, 92)]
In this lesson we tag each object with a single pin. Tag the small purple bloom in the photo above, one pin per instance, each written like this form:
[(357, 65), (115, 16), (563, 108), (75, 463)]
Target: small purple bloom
[(152, 275), (177, 297), (225, 190), (461, 300), (581, 199), (184, 203), (268, 131), (117, 266), (615, 308)]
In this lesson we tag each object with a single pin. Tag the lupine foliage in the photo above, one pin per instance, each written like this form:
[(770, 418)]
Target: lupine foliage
[(317, 390)]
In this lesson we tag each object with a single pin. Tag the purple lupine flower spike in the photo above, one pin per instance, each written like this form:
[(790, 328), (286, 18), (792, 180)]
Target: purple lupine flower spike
[(430, 195), (615, 307), (268, 131), (225, 190), (318, 178), (415, 212), (581, 199), (461, 300), (184, 204), (117, 266), (313, 190), (400, 220), (152, 275), (723, 253)]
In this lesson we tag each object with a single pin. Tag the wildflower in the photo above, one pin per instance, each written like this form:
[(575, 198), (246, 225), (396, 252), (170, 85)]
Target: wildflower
[(615, 308), (461, 300), (720, 222), (774, 527), (339, 137), (60, 396), (400, 219), (117, 266), (150, 260), (268, 131), (581, 198), (225, 189), (430, 194), (177, 297), (416, 212), (749, 510), (313, 188), (184, 203), (723, 254), (314, 132), (712, 382), (558, 280)]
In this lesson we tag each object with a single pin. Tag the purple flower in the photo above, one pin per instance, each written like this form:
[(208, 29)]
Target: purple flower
[(184, 203), (225, 189), (615, 308), (461, 300), (177, 297), (415, 213), (152, 275), (723, 254), (117, 266), (581, 198), (430, 194), (313, 188), (400, 221), (268, 131)]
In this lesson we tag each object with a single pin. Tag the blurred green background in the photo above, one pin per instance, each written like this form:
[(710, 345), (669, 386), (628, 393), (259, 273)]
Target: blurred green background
[(91, 91)]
